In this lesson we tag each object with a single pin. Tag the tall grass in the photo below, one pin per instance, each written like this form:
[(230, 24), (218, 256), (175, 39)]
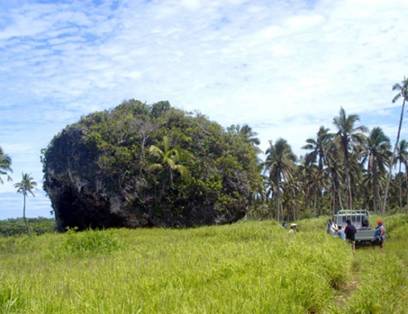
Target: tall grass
[(383, 275), (250, 267)]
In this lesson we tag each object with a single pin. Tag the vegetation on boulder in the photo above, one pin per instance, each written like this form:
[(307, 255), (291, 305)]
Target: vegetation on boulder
[(149, 165)]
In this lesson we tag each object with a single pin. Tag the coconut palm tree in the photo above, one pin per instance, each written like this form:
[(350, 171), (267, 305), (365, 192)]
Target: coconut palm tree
[(402, 92), (5, 166), (279, 165), (317, 147), (314, 182), (317, 154), (401, 158), (348, 137), (377, 155), (168, 159), (247, 133), (334, 161), (25, 186)]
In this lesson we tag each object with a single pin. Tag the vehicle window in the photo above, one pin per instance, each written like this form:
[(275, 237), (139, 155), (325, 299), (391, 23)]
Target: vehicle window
[(344, 219), (353, 218)]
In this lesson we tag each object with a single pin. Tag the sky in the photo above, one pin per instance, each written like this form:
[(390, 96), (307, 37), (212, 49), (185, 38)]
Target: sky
[(284, 67)]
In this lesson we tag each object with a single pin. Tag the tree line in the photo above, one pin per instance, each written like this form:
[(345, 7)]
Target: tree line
[(346, 167)]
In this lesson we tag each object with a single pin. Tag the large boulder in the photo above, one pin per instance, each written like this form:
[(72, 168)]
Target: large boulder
[(140, 165)]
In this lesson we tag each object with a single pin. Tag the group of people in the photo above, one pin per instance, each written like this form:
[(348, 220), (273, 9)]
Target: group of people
[(349, 232), (335, 230)]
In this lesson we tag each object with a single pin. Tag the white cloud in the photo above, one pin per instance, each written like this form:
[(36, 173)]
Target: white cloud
[(303, 22), (191, 4)]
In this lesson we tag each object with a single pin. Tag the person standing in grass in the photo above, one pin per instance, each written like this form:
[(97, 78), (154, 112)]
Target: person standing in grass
[(340, 233), (379, 233), (350, 232), (329, 226), (293, 228)]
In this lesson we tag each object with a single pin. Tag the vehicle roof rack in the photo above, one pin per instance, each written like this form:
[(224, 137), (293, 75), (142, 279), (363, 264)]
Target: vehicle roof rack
[(352, 212)]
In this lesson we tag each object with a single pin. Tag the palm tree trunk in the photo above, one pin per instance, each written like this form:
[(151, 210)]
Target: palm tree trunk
[(375, 190), (406, 184), (387, 187), (348, 184), (400, 185), (336, 194), (24, 212), (347, 173), (338, 191)]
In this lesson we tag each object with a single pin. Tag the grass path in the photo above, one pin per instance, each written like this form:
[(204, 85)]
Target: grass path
[(379, 278), (347, 289)]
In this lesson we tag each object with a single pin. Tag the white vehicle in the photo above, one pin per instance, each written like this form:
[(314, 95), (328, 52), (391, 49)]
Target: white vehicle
[(360, 220)]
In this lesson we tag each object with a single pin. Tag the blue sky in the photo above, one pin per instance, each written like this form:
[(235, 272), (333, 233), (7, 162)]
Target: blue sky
[(285, 67)]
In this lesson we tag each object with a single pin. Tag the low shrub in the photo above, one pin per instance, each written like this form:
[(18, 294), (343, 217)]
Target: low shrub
[(90, 242)]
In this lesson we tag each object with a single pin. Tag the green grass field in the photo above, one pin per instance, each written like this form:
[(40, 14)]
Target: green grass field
[(247, 267)]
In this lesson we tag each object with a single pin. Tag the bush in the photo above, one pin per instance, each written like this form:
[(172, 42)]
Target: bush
[(13, 227), (90, 242)]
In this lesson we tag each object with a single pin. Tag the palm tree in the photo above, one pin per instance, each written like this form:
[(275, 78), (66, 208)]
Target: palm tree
[(250, 135), (314, 183), (317, 147), (401, 158), (25, 186), (376, 154), (318, 154), (279, 165), (293, 192), (168, 158), (348, 137), (334, 160), (247, 134), (402, 89), (5, 165)]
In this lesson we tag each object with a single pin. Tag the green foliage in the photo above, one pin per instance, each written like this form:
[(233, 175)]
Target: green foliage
[(13, 227), (5, 165), (167, 167), (26, 185), (90, 243)]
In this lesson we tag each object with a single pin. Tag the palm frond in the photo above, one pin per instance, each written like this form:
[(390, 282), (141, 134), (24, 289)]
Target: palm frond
[(155, 167), (396, 97), (155, 151), (397, 86)]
